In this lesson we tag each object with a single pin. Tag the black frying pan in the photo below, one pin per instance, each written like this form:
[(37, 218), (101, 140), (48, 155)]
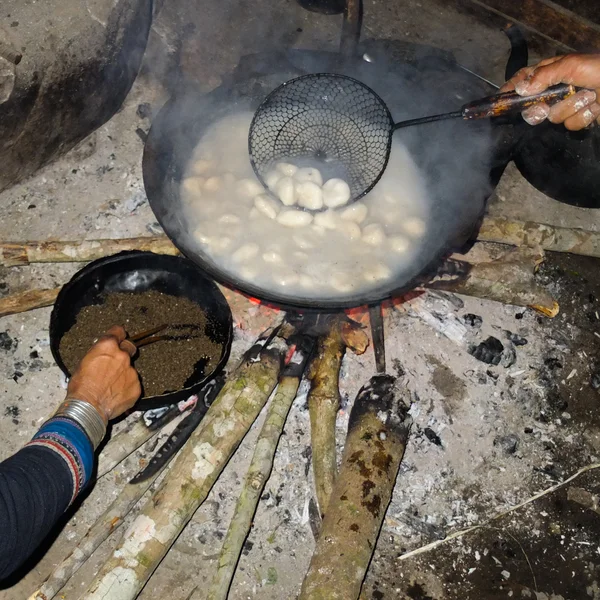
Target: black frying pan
[(136, 272)]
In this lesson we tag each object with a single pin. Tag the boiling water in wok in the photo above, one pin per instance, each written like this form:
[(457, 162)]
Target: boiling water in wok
[(455, 161), (344, 252)]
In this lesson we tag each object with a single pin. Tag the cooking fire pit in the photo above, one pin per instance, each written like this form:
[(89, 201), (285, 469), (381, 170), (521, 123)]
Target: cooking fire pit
[(502, 407)]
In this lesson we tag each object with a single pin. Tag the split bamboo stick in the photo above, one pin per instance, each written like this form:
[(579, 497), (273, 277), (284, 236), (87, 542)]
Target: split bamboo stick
[(191, 477), (105, 525), (377, 435), (258, 474)]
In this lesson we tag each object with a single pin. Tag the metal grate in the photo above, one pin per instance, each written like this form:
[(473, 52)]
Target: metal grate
[(328, 121)]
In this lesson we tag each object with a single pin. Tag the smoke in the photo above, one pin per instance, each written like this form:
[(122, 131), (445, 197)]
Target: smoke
[(455, 157)]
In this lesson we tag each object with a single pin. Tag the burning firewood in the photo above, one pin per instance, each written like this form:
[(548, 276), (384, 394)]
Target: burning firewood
[(377, 434), (324, 397), (192, 475), (509, 279), (259, 471)]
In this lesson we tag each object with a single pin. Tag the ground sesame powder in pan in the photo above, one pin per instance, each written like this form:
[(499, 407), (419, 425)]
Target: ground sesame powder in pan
[(163, 366)]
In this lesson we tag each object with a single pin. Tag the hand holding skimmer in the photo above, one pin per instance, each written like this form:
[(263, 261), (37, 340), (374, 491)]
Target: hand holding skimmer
[(339, 124)]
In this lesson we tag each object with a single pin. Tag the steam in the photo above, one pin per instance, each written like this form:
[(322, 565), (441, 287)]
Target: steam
[(454, 156)]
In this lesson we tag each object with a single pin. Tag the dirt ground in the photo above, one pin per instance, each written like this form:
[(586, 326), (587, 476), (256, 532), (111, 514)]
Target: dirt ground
[(491, 501), (541, 547)]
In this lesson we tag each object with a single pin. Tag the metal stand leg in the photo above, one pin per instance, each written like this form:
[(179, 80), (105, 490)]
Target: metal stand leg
[(376, 317)]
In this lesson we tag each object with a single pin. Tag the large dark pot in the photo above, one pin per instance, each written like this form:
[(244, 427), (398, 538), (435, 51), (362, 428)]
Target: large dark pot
[(63, 75), (562, 164)]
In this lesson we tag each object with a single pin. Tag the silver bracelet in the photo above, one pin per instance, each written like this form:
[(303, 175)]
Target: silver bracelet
[(84, 414)]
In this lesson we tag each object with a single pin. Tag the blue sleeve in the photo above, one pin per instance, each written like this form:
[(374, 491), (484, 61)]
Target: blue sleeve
[(37, 485)]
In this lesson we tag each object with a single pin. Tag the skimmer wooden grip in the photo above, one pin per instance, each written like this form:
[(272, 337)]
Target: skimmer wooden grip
[(510, 102)]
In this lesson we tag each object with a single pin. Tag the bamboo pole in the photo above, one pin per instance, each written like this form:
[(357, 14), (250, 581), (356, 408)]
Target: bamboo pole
[(105, 525), (258, 474), (377, 434), (17, 254), (24, 301), (191, 477), (122, 444)]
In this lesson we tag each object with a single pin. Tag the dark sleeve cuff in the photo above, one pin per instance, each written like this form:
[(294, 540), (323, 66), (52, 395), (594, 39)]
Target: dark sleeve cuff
[(67, 438)]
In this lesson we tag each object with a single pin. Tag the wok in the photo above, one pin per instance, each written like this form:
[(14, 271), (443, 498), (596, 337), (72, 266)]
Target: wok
[(183, 120), (562, 164)]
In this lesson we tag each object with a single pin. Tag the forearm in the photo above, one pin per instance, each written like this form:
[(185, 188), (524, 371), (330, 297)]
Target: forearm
[(37, 485)]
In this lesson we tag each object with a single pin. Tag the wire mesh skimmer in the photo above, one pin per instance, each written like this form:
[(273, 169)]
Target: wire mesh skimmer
[(342, 127)]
